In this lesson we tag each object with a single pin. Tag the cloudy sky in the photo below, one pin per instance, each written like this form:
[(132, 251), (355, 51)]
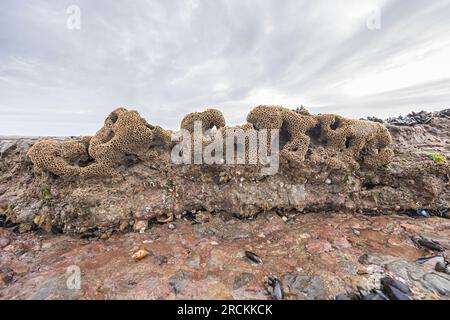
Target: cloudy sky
[(168, 58)]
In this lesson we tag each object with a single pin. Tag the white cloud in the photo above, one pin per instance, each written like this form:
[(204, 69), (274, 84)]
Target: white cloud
[(167, 58)]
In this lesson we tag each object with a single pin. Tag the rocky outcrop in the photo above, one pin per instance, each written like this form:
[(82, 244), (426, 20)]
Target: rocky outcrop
[(123, 177)]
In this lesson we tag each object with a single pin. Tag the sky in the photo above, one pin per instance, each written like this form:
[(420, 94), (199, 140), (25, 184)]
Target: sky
[(64, 65)]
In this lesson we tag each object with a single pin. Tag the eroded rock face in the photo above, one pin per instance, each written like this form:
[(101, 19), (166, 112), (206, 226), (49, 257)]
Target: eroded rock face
[(123, 175)]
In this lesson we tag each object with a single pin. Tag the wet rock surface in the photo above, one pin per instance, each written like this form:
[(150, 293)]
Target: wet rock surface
[(189, 263)]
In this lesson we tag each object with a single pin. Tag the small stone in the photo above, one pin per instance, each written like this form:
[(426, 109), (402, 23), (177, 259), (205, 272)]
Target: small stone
[(304, 236), (318, 246), (4, 242), (362, 271), (140, 226), (242, 280), (440, 267), (194, 260), (178, 281), (341, 243), (367, 259), (171, 226), (160, 260), (139, 255), (328, 181), (7, 276), (261, 235), (106, 235)]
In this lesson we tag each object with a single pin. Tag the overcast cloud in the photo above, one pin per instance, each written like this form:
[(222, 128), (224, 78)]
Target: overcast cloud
[(167, 58)]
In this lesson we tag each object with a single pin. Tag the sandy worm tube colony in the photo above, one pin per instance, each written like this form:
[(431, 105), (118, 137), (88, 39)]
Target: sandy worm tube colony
[(329, 139)]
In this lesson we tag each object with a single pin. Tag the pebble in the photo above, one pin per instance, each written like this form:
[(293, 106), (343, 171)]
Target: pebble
[(440, 267), (140, 226), (316, 246), (242, 280), (171, 226), (160, 260), (178, 280), (139, 255), (328, 181), (7, 275), (4, 242), (341, 243)]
